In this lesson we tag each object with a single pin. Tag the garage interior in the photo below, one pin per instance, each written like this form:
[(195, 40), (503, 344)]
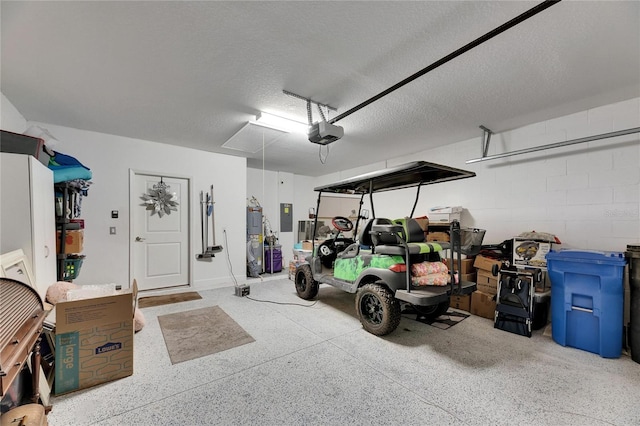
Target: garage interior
[(186, 191)]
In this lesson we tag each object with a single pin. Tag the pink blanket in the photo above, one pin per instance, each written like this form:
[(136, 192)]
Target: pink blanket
[(427, 268), (439, 278)]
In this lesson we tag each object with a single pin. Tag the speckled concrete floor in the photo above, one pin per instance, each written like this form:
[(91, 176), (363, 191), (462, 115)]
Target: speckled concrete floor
[(316, 365)]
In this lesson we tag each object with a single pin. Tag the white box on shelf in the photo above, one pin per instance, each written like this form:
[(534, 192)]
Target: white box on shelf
[(454, 209), (444, 214), (435, 218)]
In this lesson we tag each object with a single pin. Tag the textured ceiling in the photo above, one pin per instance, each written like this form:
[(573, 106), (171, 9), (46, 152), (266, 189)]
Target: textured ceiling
[(194, 73)]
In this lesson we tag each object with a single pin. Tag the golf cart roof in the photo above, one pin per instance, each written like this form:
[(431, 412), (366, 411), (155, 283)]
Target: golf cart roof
[(404, 176)]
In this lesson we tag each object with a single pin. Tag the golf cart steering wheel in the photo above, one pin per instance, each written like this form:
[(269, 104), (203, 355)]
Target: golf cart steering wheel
[(342, 223)]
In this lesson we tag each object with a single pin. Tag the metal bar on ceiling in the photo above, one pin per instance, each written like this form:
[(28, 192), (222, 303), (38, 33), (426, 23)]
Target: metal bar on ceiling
[(502, 28), (557, 145), (295, 95)]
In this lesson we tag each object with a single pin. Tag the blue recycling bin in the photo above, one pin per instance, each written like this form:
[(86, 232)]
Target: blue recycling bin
[(587, 299)]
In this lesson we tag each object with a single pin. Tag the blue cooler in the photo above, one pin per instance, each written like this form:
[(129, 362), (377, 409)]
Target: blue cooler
[(587, 295)]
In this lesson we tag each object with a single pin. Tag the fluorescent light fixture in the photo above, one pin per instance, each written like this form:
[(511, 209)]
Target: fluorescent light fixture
[(280, 123)]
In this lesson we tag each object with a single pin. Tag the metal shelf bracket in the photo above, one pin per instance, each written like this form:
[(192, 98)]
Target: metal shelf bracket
[(486, 138), (554, 145)]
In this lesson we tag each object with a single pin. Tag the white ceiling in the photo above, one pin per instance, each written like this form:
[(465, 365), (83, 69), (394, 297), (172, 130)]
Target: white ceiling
[(194, 73)]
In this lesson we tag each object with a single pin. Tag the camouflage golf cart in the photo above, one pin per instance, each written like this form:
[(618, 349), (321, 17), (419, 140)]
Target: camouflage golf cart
[(387, 262)]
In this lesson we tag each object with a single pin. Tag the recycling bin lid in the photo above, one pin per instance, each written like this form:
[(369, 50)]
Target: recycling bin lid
[(588, 256)]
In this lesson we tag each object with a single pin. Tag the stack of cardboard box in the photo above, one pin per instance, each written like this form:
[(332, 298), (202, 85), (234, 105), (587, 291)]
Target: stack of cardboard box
[(483, 300), (467, 273), (487, 282)]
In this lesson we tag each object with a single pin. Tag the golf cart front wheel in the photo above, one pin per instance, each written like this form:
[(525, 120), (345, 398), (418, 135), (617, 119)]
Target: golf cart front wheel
[(306, 286), (378, 310)]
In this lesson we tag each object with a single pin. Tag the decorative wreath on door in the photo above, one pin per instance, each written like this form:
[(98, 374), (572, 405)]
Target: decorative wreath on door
[(159, 200)]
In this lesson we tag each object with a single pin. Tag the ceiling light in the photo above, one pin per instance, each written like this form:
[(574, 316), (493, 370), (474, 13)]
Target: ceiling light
[(281, 123)]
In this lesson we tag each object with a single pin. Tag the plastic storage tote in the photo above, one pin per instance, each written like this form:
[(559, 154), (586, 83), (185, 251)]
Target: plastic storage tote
[(273, 256), (587, 295)]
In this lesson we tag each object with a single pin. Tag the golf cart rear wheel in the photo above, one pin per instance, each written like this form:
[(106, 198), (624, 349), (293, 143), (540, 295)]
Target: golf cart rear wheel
[(433, 312), (378, 310), (306, 286)]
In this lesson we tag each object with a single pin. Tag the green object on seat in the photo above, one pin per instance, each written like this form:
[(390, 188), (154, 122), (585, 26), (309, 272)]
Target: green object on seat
[(414, 248), (428, 247)]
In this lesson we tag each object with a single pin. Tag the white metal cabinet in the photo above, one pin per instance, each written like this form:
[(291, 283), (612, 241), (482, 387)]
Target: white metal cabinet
[(27, 215)]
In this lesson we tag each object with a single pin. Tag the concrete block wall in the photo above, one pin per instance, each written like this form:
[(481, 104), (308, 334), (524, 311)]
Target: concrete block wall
[(587, 194)]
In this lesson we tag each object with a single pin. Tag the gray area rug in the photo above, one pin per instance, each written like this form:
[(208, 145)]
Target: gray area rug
[(200, 332)]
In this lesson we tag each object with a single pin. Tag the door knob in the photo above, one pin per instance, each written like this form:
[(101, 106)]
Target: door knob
[(139, 239)]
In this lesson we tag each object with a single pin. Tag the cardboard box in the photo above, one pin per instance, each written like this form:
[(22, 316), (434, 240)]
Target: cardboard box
[(443, 217), (486, 263), (527, 252), (483, 305), (461, 302), (486, 277), (487, 288), (438, 236), (307, 245), (467, 265), (94, 340), (469, 277), (73, 241), (486, 282), (423, 222)]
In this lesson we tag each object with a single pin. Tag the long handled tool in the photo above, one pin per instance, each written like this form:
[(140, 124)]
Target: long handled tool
[(204, 231), (206, 210), (214, 248)]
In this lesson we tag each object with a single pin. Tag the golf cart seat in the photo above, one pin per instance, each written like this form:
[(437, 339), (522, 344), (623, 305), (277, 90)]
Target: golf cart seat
[(412, 232), (363, 239), (388, 239)]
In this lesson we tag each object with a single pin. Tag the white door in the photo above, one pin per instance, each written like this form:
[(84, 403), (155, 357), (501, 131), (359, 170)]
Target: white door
[(159, 240)]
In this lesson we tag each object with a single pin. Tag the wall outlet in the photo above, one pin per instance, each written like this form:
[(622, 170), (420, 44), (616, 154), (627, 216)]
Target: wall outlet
[(112, 230)]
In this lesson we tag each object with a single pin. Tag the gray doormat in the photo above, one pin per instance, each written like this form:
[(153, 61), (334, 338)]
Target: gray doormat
[(200, 332), (149, 301)]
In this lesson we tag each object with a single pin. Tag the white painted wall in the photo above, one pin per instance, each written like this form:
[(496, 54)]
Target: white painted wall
[(110, 159), (10, 118), (588, 194)]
